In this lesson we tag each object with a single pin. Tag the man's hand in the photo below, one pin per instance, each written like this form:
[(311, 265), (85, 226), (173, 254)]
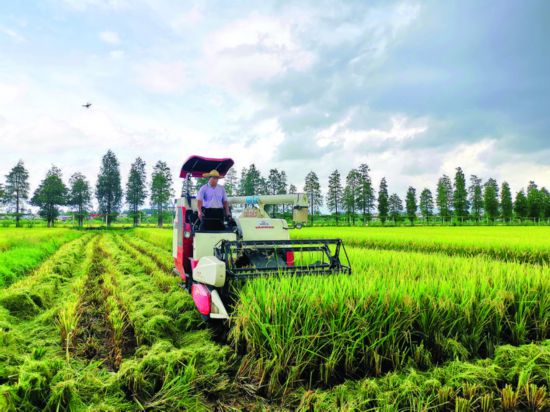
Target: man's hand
[(200, 214)]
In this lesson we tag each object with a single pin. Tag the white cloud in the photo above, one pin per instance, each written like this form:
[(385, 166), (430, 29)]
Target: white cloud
[(117, 54), (339, 132), (82, 5), (162, 76), (12, 34), (109, 37), (254, 48), (11, 93)]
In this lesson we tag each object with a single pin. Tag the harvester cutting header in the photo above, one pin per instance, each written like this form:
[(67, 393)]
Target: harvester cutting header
[(213, 252)]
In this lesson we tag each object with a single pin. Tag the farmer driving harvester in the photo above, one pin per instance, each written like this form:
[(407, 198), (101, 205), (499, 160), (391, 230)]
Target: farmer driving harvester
[(211, 203)]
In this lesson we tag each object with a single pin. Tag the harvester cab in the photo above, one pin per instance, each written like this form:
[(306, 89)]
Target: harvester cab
[(211, 263)]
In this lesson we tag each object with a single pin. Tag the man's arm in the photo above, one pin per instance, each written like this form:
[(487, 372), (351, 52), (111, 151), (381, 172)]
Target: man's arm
[(199, 207)]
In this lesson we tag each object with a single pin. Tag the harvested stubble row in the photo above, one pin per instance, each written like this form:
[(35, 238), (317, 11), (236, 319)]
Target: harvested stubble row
[(44, 367), (30, 350), (520, 244), (173, 363), (398, 309), (21, 250), (159, 255)]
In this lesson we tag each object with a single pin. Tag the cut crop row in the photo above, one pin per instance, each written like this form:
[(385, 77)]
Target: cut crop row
[(44, 367), (396, 310), (174, 362), (102, 330), (31, 350), (157, 254)]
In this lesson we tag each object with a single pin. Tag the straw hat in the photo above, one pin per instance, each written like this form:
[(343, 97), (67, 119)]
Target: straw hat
[(212, 173)]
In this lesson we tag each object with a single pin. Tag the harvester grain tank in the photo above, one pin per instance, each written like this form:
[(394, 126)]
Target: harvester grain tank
[(211, 263)]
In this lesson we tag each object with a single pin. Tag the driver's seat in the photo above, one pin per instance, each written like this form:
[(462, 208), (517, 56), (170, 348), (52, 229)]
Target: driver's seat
[(212, 220)]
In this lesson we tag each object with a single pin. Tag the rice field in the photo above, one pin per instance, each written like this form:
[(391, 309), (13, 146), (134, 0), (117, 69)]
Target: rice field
[(509, 243), (444, 320)]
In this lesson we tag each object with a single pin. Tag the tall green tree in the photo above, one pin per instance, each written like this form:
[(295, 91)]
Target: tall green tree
[(273, 181), (292, 189), (242, 182), (108, 189), (506, 204), (534, 206), (350, 194), (366, 196), (272, 185), (410, 204), (426, 204), (475, 192), (395, 207), (520, 205), (252, 181), (335, 194), (136, 188), (17, 189), (460, 195), (80, 196), (545, 201), (383, 199), (490, 199), (312, 188), (2, 193), (231, 183), (444, 197), (50, 194), (161, 190)]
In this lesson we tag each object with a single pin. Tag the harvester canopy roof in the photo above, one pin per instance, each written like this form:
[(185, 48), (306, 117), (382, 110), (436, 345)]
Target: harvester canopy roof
[(196, 166)]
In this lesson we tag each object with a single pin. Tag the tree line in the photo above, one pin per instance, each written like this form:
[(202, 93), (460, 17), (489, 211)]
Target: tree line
[(355, 197), (351, 198), (52, 192), (454, 198)]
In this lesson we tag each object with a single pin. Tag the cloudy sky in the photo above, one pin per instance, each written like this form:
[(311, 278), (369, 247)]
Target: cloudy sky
[(413, 88)]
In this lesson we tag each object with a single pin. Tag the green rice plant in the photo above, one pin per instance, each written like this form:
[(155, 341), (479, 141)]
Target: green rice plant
[(18, 237), (160, 237), (67, 321), (34, 293), (21, 251), (446, 387), (319, 330), (523, 244)]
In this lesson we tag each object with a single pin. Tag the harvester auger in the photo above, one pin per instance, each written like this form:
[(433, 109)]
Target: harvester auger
[(211, 263)]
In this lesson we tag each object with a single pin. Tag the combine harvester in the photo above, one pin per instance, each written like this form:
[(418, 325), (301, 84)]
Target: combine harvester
[(212, 263)]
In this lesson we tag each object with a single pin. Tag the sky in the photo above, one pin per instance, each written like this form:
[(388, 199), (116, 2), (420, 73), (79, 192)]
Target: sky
[(412, 88)]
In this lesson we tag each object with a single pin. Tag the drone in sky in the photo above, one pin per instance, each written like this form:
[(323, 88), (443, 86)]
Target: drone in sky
[(87, 105)]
